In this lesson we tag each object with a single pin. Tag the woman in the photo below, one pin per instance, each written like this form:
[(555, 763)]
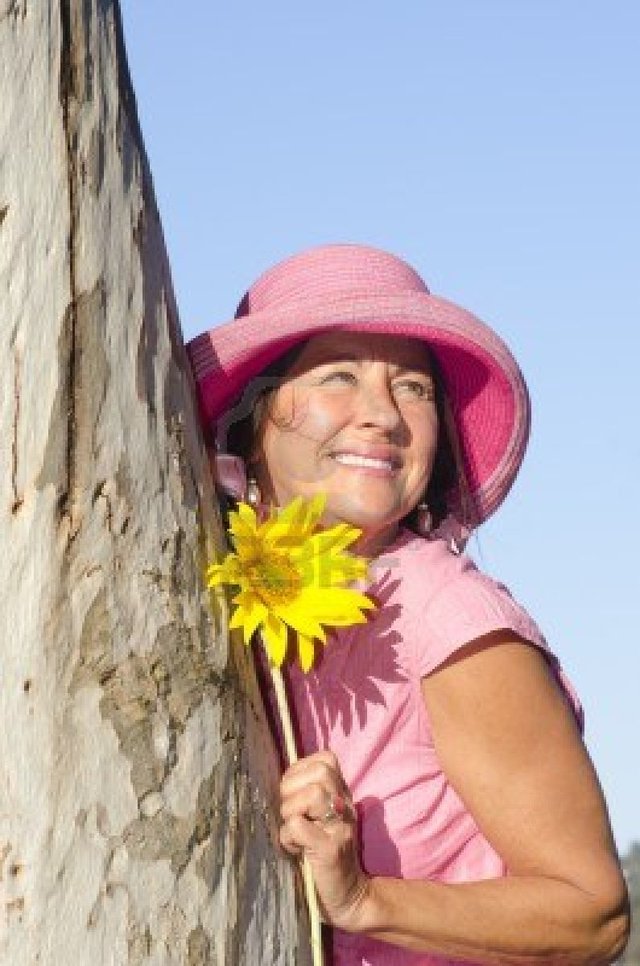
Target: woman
[(445, 800)]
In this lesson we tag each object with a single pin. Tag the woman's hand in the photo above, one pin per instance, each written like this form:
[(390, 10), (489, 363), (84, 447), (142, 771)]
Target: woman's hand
[(319, 820)]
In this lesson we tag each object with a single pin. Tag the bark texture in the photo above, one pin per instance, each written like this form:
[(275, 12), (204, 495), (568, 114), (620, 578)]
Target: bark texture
[(136, 774)]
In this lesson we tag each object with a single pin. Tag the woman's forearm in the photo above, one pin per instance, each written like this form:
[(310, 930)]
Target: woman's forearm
[(512, 920)]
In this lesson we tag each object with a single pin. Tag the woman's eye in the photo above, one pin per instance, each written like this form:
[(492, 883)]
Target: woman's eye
[(339, 375), (417, 388)]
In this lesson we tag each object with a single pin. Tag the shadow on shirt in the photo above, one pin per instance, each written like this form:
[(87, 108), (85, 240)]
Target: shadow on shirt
[(345, 683)]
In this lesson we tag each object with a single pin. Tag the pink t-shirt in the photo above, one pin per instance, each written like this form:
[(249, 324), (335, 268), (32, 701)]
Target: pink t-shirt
[(363, 700)]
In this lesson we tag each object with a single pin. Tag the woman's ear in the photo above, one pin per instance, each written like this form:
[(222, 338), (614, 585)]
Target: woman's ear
[(229, 474)]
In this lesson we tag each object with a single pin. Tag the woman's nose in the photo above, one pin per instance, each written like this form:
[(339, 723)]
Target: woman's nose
[(377, 406)]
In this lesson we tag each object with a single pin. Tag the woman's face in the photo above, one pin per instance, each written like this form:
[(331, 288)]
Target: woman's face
[(354, 418)]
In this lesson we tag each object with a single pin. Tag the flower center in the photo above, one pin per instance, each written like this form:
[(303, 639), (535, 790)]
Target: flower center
[(274, 578)]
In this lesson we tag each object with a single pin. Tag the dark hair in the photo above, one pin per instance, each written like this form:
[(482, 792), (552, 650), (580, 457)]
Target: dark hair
[(447, 473), (447, 489), (242, 430)]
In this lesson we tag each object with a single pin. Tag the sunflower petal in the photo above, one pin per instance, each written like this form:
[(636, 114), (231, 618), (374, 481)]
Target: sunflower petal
[(223, 573), (337, 606), (336, 539), (243, 523), (331, 570), (248, 614), (301, 620), (275, 639), (322, 566), (314, 510), (215, 575), (295, 524), (344, 572), (288, 522), (306, 652)]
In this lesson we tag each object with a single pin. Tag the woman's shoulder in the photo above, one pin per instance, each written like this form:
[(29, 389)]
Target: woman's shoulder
[(447, 602)]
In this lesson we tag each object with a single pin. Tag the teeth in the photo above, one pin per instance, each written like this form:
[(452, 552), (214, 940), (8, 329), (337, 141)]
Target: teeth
[(350, 459)]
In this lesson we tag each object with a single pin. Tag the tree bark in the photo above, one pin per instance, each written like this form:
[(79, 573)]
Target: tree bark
[(137, 778)]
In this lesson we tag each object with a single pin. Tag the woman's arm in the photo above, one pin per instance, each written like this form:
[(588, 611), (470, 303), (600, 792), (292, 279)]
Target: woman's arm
[(508, 743)]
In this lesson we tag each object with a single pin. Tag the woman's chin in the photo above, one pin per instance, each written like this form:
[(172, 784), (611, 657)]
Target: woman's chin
[(378, 524)]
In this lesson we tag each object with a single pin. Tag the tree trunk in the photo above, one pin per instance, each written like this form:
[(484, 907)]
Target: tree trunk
[(137, 777)]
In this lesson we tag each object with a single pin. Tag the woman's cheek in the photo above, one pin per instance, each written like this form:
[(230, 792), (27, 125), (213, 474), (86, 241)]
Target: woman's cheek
[(326, 416)]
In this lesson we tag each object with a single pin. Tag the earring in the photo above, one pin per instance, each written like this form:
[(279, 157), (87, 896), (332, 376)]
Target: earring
[(424, 520), (254, 496)]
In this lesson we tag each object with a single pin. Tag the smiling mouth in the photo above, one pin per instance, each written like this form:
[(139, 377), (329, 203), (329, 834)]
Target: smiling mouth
[(350, 459)]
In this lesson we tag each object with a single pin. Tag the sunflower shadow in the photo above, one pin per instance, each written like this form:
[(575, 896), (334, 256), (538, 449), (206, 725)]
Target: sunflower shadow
[(348, 681)]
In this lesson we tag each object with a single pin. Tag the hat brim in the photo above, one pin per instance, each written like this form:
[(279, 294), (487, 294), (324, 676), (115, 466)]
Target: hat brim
[(485, 388)]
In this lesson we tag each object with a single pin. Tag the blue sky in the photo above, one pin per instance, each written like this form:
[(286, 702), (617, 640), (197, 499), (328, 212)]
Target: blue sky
[(495, 144)]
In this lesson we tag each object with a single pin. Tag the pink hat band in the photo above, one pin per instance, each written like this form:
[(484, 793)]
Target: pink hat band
[(362, 289)]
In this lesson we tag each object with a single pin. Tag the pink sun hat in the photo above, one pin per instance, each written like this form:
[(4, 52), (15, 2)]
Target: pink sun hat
[(361, 289)]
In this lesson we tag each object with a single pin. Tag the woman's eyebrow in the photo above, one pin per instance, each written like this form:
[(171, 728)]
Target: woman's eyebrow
[(336, 355), (328, 356), (421, 367)]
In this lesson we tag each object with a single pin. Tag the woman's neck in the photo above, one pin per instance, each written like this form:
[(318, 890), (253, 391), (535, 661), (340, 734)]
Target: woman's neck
[(371, 545)]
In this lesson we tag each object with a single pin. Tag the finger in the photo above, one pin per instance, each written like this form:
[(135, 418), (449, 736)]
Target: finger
[(300, 834), (325, 799), (308, 771), (319, 807), (312, 800), (295, 835), (325, 757), (328, 757), (340, 808), (289, 843)]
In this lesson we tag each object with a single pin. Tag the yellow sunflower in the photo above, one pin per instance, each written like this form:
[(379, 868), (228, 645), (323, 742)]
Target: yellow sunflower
[(290, 574)]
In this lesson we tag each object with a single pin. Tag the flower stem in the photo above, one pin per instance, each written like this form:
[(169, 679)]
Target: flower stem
[(292, 757)]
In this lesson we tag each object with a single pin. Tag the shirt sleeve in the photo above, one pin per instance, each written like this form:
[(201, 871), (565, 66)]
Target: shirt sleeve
[(470, 605)]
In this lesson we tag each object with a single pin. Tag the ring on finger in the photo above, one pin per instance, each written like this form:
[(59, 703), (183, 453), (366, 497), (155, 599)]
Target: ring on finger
[(335, 810)]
